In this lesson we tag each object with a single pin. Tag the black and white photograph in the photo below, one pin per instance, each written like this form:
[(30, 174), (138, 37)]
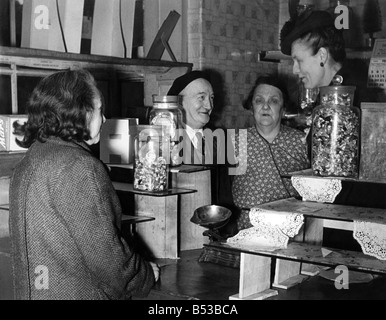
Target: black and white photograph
[(192, 156)]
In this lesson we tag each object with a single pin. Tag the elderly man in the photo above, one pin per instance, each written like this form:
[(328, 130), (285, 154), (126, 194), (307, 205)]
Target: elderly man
[(197, 103), (211, 148)]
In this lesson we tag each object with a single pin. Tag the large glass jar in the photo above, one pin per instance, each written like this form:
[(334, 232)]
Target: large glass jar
[(335, 133), (167, 112), (152, 153)]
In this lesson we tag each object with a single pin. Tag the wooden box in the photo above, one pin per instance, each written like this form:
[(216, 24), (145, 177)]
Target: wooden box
[(373, 142), (117, 141), (46, 26)]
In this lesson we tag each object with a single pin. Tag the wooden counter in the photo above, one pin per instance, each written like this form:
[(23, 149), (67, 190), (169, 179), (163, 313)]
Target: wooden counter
[(162, 235), (184, 177), (197, 178), (255, 265)]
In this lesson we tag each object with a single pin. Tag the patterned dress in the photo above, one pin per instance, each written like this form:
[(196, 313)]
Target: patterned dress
[(261, 182)]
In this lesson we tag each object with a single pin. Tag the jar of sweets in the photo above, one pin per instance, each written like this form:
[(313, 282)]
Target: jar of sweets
[(335, 133), (167, 112), (152, 153)]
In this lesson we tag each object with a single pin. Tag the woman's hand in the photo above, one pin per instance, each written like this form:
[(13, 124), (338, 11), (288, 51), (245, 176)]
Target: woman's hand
[(156, 270)]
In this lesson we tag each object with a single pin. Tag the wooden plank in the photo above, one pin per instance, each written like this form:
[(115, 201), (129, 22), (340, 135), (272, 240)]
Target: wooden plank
[(313, 254), (4, 211), (12, 22), (136, 72), (4, 190), (14, 95), (106, 31), (134, 219), (291, 282), (340, 225), (191, 234), (4, 224), (44, 58), (175, 40), (127, 22), (128, 187), (286, 274), (145, 70), (327, 210), (26, 72), (257, 296), (160, 235), (151, 9), (313, 234), (255, 274)]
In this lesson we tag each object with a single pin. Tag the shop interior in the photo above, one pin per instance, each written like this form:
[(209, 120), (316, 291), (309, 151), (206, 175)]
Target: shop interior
[(235, 41)]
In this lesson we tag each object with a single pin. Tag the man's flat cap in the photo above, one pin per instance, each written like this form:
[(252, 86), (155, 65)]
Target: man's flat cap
[(180, 83)]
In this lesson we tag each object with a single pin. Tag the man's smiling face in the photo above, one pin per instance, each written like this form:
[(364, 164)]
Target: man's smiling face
[(197, 103)]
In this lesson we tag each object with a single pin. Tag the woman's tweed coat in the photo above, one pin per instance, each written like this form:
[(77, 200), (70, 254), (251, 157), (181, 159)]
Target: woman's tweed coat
[(64, 221)]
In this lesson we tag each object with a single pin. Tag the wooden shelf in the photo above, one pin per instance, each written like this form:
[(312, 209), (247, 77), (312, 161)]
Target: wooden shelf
[(304, 252), (309, 173), (129, 219), (128, 187), (52, 60), (157, 75), (327, 210), (278, 56)]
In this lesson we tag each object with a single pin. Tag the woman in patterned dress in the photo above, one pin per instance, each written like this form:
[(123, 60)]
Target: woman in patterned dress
[(271, 149)]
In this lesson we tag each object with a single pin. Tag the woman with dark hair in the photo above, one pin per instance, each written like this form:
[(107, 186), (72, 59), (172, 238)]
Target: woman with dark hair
[(270, 150), (318, 51), (65, 215), (317, 48)]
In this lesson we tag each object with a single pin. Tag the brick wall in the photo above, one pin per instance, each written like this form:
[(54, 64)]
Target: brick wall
[(226, 36)]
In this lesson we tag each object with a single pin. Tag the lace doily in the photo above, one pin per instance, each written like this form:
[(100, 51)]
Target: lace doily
[(271, 229), (315, 189), (372, 238)]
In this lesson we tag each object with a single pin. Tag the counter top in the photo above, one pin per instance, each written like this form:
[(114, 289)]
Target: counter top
[(129, 187), (327, 210)]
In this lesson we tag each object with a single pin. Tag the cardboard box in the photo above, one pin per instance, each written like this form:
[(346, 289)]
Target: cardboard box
[(117, 140), (373, 142), (42, 26), (112, 30), (7, 135)]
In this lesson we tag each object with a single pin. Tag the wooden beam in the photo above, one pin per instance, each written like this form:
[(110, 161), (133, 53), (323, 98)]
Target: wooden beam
[(12, 22), (15, 104), (255, 278)]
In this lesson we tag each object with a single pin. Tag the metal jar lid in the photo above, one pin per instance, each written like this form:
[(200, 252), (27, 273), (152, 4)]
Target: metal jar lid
[(167, 101)]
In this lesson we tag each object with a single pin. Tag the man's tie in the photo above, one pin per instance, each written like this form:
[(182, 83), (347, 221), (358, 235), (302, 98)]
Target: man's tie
[(199, 152)]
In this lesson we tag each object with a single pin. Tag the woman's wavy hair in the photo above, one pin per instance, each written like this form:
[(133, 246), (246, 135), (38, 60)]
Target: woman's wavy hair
[(272, 81), (329, 38), (60, 106)]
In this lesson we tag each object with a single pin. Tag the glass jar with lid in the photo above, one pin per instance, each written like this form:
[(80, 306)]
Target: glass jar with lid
[(167, 112), (335, 133), (152, 156)]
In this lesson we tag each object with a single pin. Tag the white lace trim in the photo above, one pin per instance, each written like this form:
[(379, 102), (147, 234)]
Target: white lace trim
[(372, 238), (317, 189), (271, 229)]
